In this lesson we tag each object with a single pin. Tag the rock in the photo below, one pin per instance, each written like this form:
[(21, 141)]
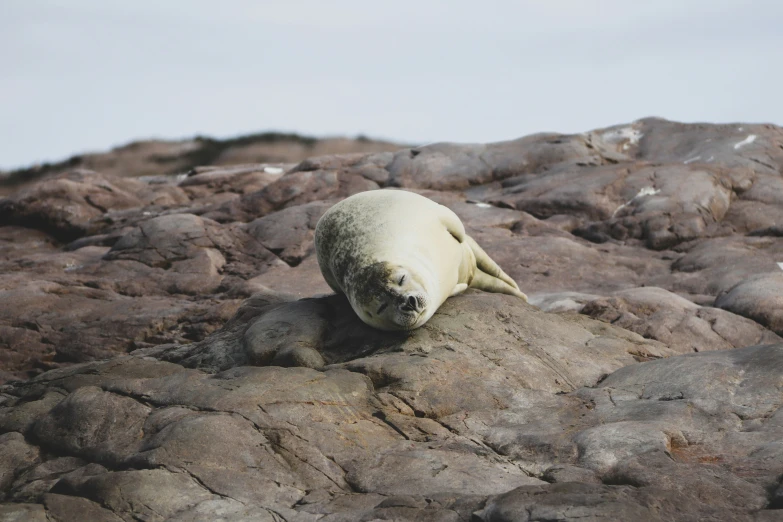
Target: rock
[(745, 374), (170, 350), (340, 432), (447, 166), (66, 507), (194, 252), (64, 206), (37, 481), (760, 298), (324, 330), (566, 473), (601, 448), (655, 313), (302, 281), (52, 323), (562, 301), (204, 182), (289, 233), (157, 493), (295, 188), (571, 501), (291, 335), (23, 512), (568, 264), (714, 266), (736, 146), (667, 210), (158, 160), (15, 456), (92, 423)]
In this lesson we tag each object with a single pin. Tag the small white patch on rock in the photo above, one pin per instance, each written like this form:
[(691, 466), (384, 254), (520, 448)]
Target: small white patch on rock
[(780, 265), (70, 266), (747, 141), (645, 191), (618, 209), (628, 136), (483, 205), (181, 177), (146, 213), (273, 170), (691, 160)]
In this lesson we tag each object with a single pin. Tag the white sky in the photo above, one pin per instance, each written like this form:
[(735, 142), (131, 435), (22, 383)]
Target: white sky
[(84, 75)]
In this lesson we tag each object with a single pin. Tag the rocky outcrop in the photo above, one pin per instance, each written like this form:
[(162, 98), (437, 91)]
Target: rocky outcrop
[(152, 158), (171, 351)]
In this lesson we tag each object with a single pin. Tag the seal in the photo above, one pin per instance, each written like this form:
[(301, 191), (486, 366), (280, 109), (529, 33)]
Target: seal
[(397, 256)]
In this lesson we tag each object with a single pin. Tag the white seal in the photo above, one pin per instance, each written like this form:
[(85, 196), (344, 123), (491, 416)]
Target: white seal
[(397, 256)]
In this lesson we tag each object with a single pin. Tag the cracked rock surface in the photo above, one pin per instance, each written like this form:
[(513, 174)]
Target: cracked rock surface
[(171, 352)]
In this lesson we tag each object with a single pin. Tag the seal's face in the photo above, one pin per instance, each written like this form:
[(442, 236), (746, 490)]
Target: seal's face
[(396, 299)]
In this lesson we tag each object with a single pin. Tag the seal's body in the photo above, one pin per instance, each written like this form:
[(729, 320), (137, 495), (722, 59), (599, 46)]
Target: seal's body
[(398, 256)]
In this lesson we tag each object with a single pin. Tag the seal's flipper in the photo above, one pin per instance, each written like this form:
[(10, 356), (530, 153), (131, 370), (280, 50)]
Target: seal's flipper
[(461, 287), (488, 283), (452, 223), (487, 265)]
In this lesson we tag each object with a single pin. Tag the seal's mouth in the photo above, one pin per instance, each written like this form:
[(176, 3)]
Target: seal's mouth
[(408, 320)]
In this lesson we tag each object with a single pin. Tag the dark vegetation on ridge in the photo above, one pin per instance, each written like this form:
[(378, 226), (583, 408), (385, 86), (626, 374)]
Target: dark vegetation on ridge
[(205, 151)]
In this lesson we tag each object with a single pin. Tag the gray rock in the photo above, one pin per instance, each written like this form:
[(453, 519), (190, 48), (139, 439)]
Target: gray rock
[(16, 456), (65, 206), (682, 325), (759, 298), (23, 513), (148, 494), (66, 508), (94, 424), (289, 233), (575, 501), (562, 301), (714, 266)]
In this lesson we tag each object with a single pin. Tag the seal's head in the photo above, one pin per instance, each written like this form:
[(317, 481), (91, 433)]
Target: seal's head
[(390, 297)]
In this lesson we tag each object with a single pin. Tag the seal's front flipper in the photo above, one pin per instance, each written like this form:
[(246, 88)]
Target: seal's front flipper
[(461, 287), (487, 265), (452, 223), (488, 283)]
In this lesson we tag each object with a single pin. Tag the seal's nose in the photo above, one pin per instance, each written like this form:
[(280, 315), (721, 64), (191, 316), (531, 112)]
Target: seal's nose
[(412, 304)]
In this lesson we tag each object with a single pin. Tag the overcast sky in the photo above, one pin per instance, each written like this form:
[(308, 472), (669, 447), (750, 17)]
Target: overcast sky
[(86, 75)]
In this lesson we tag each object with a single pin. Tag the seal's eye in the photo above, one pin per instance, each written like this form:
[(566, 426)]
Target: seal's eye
[(382, 308), (401, 280)]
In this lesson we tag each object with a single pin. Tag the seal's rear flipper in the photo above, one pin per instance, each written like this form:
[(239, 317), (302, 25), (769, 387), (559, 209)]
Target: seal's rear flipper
[(487, 265), (488, 283)]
